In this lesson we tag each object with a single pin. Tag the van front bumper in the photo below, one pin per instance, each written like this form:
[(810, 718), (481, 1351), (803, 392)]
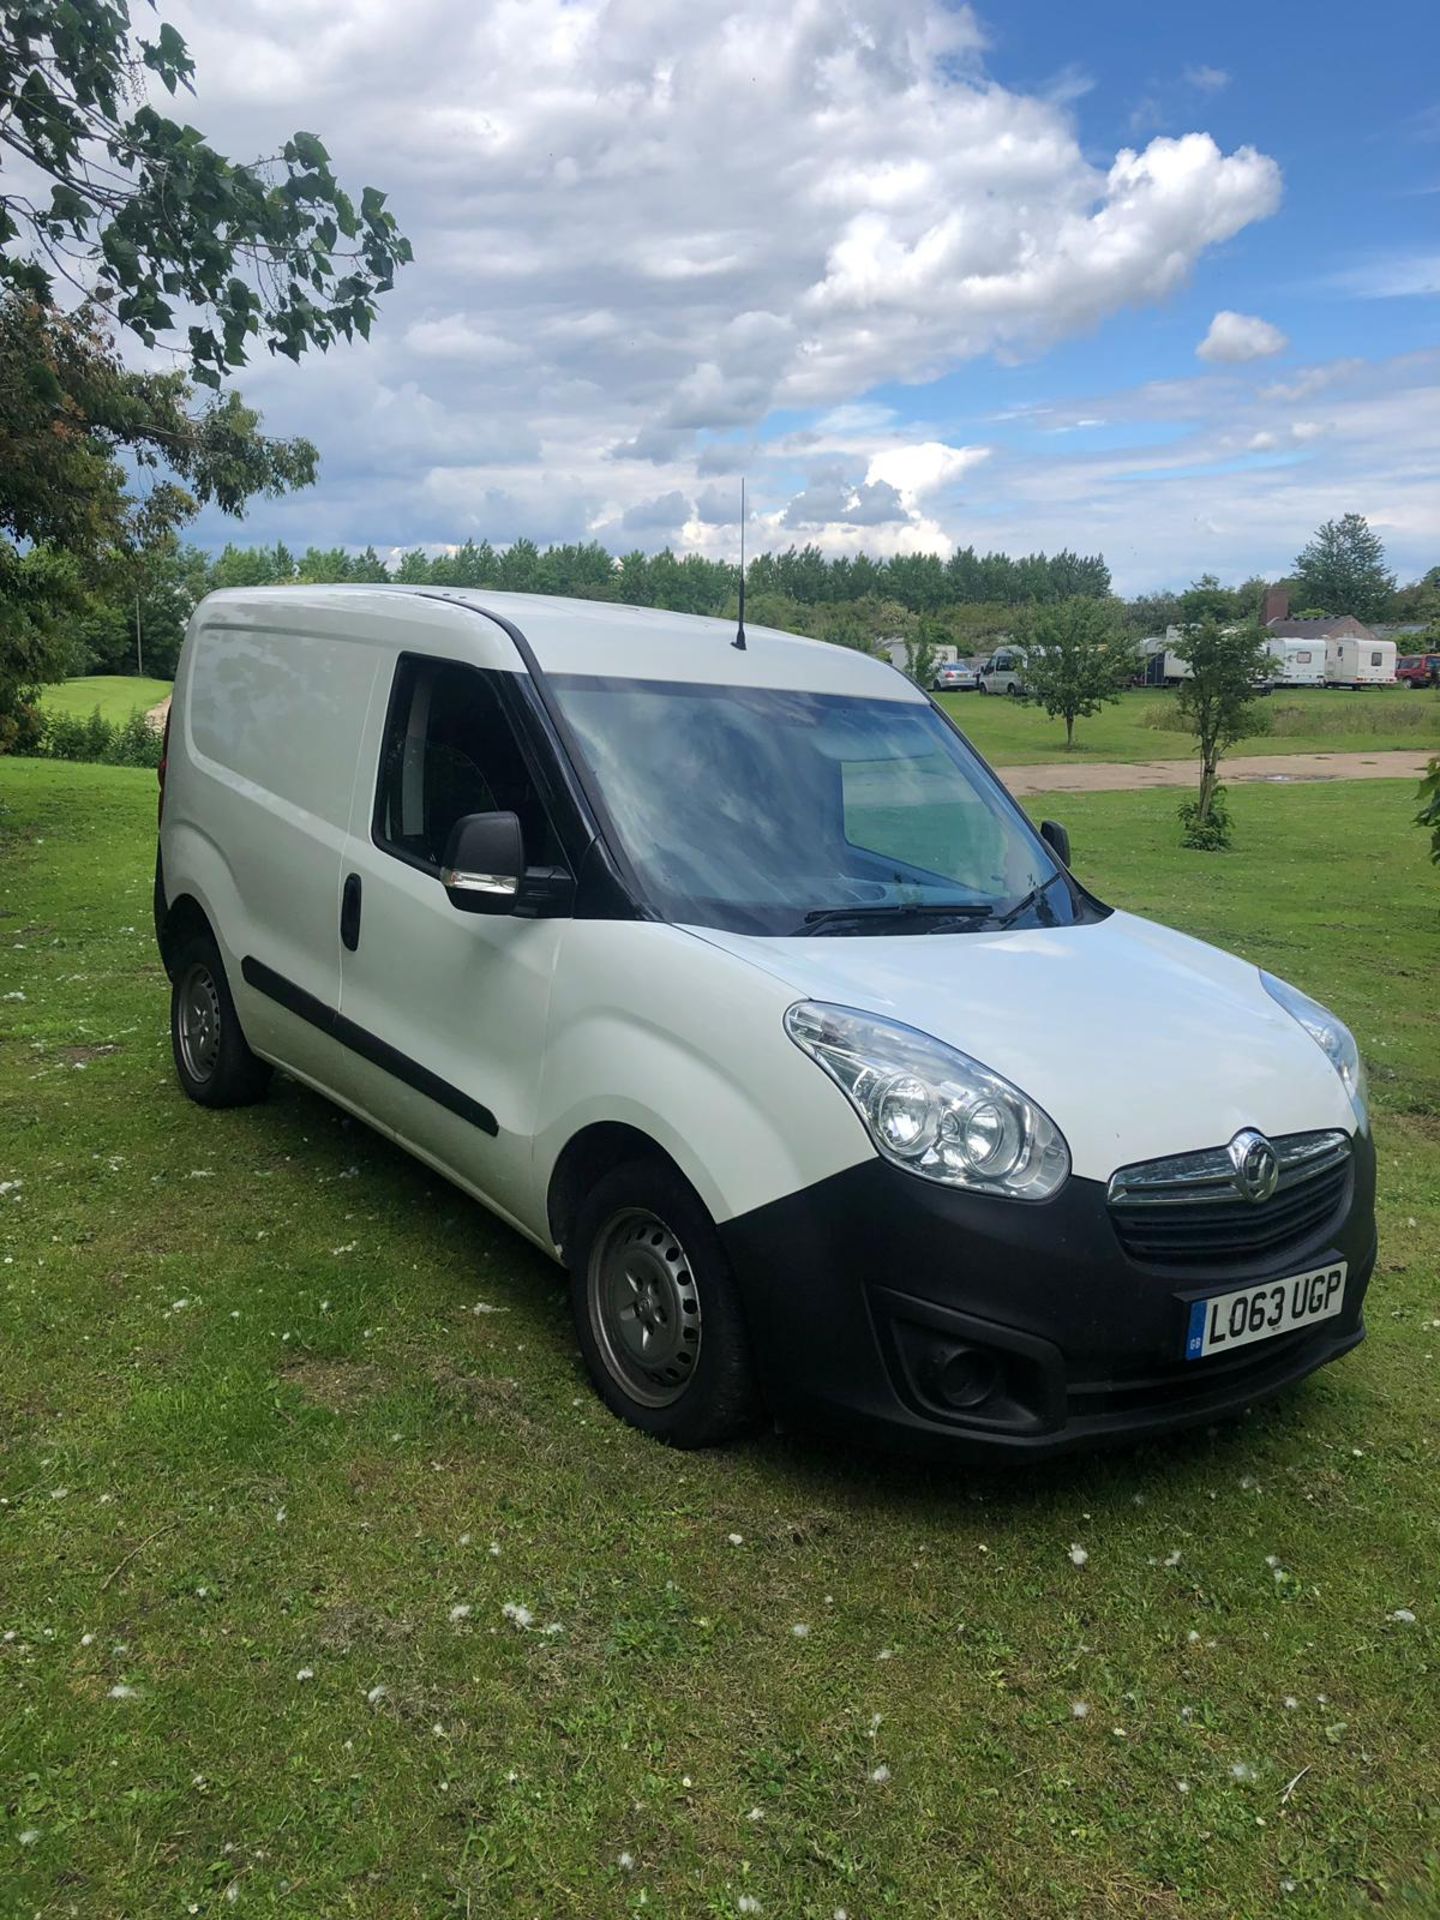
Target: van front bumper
[(1002, 1329)]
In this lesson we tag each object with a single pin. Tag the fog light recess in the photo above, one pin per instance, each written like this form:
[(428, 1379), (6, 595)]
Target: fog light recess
[(962, 1377)]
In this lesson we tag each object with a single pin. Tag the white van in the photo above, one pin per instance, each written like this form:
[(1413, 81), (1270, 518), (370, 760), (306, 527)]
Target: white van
[(1354, 661), (733, 978), (1298, 663), (1003, 672)]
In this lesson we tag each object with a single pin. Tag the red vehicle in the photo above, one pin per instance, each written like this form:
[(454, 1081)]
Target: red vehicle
[(1419, 669)]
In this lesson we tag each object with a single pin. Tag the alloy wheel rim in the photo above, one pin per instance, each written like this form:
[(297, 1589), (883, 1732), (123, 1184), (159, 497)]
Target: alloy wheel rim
[(644, 1307), (199, 1022)]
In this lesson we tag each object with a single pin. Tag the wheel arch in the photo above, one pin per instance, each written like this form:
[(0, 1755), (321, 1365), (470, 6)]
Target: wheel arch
[(184, 917), (588, 1156)]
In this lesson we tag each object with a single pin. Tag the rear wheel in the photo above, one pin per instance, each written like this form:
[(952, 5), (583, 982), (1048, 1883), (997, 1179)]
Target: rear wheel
[(656, 1310), (212, 1062)]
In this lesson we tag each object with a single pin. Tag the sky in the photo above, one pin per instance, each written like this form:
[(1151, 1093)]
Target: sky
[(1161, 282)]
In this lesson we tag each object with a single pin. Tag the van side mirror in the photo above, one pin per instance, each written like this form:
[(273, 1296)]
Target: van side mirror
[(484, 862), (1057, 839)]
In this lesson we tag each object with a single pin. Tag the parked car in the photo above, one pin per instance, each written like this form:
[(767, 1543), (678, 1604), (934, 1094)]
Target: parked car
[(731, 977), (956, 676), (1003, 673), (1418, 670)]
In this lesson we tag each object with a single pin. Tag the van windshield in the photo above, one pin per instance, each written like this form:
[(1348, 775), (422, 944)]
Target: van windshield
[(762, 810)]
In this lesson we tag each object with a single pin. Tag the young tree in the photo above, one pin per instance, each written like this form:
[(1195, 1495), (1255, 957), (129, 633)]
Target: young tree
[(1429, 814), (1228, 662), (1077, 658), (1343, 570)]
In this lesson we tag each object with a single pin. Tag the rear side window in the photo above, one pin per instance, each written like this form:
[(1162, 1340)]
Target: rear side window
[(449, 751)]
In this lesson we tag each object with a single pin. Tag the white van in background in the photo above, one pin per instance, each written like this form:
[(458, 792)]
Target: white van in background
[(1298, 663), (1353, 661), (724, 970), (1003, 672)]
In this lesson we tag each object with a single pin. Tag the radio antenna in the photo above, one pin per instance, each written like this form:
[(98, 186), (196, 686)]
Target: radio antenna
[(739, 640)]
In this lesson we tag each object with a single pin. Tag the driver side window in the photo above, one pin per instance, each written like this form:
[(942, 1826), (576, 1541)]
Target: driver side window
[(449, 750)]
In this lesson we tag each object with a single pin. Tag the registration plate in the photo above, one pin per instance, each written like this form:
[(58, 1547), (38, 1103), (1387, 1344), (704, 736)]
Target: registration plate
[(1227, 1320)]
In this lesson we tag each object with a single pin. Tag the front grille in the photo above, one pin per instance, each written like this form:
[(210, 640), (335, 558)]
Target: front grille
[(1186, 1211)]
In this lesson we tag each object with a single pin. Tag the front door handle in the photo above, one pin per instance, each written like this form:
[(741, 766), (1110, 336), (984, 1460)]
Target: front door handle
[(350, 912)]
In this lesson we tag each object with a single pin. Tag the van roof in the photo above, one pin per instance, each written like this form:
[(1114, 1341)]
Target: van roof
[(597, 637)]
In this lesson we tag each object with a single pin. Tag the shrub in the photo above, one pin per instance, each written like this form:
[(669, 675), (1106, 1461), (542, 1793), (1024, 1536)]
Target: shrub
[(1207, 832), (134, 743), (1170, 717)]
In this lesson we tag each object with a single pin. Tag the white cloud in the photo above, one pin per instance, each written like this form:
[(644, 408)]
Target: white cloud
[(1207, 79), (922, 467), (1396, 277), (643, 229), (1240, 482), (1234, 337)]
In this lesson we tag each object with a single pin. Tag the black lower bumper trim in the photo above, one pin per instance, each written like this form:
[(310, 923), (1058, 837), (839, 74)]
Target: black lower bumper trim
[(999, 1329)]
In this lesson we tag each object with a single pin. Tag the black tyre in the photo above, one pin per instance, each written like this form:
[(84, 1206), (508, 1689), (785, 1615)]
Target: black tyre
[(212, 1062), (656, 1310)]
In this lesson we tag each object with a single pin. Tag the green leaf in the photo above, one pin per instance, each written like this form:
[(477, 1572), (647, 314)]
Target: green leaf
[(308, 150)]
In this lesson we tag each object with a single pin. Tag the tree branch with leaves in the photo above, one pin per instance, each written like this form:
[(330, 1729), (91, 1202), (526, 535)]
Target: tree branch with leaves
[(144, 213)]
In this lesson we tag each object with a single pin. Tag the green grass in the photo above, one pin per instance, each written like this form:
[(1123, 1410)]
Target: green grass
[(117, 695), (269, 1392), (1013, 733)]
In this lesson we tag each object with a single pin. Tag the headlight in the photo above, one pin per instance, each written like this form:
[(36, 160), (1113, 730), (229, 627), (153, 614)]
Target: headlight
[(932, 1109), (1332, 1036)]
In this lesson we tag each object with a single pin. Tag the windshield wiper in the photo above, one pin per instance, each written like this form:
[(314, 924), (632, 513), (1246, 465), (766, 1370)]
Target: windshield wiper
[(1033, 898), (820, 917)]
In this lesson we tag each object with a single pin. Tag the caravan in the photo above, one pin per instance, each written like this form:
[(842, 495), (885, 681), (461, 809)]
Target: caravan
[(1356, 660), (1298, 663)]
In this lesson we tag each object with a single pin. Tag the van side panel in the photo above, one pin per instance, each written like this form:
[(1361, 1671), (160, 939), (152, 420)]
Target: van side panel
[(257, 805)]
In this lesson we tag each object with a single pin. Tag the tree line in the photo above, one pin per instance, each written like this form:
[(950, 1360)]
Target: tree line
[(969, 601)]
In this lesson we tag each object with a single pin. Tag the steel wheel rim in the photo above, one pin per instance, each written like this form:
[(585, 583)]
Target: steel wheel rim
[(644, 1307), (198, 1021)]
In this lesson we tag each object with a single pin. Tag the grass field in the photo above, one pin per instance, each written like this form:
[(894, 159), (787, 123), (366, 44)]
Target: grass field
[(289, 1431), (117, 695), (1012, 733)]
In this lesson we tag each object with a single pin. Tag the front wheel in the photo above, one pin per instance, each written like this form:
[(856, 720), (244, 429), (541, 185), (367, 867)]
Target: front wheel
[(212, 1062), (656, 1310)]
